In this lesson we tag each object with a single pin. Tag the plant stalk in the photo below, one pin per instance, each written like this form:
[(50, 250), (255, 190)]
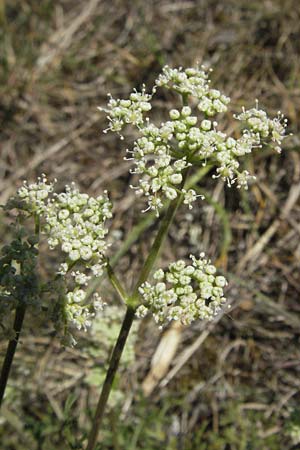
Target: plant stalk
[(110, 375), (116, 283), (132, 303), (11, 348)]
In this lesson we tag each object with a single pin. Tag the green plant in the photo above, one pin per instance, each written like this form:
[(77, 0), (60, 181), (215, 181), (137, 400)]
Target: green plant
[(164, 157)]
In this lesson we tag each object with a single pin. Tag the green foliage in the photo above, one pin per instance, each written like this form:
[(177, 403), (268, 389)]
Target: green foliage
[(19, 283)]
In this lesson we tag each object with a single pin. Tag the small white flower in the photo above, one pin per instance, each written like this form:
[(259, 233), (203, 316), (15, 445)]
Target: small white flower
[(97, 270), (86, 253), (170, 193), (63, 214), (210, 269), (81, 278), (159, 274), (74, 255), (206, 125), (186, 111), (78, 296), (190, 197), (141, 312), (174, 114), (160, 287), (66, 247), (98, 303), (63, 269), (221, 281), (176, 178)]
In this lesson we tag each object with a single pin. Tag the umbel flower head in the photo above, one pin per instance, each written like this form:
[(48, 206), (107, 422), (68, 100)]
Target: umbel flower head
[(189, 137), (184, 292), (75, 223)]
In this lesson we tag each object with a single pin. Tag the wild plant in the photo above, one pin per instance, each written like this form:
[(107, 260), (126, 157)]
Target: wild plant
[(163, 158)]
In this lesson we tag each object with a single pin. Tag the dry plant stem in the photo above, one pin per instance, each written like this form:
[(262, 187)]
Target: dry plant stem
[(129, 317), (12, 345)]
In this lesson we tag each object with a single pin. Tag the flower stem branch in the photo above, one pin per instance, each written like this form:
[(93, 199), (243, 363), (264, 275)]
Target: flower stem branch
[(132, 303), (116, 283)]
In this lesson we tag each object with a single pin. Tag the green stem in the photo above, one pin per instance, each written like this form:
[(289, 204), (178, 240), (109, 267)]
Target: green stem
[(129, 317), (110, 375), (37, 225), (157, 244), (10, 352), (116, 283)]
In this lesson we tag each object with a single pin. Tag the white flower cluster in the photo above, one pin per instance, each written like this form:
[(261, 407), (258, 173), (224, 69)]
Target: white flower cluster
[(184, 292), (259, 129), (162, 153), (194, 81), (35, 195), (153, 156), (123, 112), (77, 312), (74, 222), (263, 128)]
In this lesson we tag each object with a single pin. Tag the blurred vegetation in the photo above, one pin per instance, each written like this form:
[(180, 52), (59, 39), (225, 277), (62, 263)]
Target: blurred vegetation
[(238, 388)]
